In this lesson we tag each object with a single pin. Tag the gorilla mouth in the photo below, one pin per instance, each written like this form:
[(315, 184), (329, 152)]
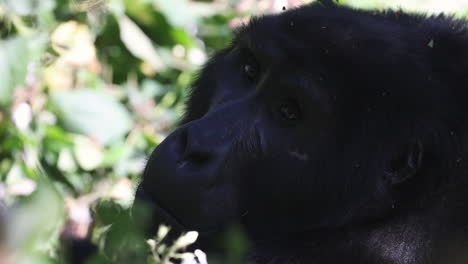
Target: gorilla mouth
[(159, 215)]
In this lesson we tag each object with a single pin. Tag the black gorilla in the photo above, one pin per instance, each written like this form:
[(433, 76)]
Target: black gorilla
[(331, 135)]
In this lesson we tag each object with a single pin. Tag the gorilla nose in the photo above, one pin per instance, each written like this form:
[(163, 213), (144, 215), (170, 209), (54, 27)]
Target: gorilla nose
[(193, 149), (200, 147), (181, 171)]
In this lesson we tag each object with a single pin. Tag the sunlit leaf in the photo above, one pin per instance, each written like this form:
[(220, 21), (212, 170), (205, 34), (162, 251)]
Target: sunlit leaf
[(29, 7), (14, 56), (182, 13), (88, 153), (176, 12), (116, 152), (74, 42), (92, 113), (27, 237), (186, 239), (139, 44), (6, 89)]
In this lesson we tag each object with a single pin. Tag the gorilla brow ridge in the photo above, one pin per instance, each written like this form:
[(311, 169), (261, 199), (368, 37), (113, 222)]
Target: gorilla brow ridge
[(244, 39)]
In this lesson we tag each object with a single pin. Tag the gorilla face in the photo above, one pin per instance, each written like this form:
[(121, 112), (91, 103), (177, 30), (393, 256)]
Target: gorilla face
[(314, 119)]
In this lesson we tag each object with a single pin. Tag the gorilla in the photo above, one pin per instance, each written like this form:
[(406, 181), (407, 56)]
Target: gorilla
[(330, 135)]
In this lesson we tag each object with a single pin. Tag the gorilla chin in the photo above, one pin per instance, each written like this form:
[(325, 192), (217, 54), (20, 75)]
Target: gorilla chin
[(330, 135)]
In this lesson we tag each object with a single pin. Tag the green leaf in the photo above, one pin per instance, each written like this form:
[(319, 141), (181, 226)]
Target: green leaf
[(139, 44), (116, 152), (88, 154), (29, 7), (28, 237), (181, 13), (14, 56), (176, 12), (92, 113)]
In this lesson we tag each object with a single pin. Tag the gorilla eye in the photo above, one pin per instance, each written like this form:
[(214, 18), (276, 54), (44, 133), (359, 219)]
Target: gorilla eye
[(290, 111), (251, 71)]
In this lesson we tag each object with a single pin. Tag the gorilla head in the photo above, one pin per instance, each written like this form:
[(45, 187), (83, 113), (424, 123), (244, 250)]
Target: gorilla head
[(330, 134)]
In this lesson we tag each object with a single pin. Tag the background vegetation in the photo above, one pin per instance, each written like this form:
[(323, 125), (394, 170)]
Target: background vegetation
[(88, 89)]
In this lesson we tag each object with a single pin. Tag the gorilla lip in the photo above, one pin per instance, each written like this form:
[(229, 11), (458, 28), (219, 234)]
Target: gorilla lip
[(157, 210)]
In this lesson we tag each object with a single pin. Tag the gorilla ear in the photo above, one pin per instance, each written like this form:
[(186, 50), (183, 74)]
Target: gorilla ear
[(407, 165)]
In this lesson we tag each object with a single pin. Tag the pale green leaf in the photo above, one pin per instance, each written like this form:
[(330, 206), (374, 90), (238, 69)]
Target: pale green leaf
[(92, 113), (14, 56), (139, 44), (88, 154)]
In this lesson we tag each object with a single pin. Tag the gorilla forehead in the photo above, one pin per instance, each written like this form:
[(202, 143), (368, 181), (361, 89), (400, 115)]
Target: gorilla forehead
[(315, 32), (358, 49)]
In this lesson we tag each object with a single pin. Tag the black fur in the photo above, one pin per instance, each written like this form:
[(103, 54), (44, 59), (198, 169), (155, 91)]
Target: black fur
[(331, 135)]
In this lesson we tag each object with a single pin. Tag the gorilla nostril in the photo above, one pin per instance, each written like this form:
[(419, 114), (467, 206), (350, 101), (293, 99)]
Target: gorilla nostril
[(194, 154), (190, 150), (197, 157)]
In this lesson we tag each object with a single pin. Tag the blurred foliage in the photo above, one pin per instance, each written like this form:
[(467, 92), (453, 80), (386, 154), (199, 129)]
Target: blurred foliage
[(89, 88)]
